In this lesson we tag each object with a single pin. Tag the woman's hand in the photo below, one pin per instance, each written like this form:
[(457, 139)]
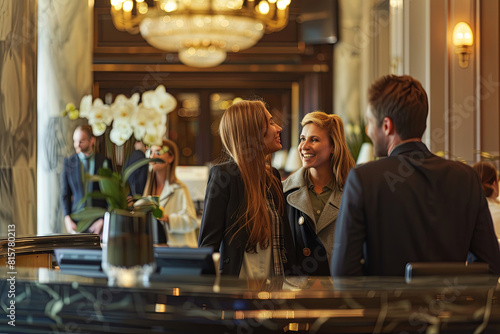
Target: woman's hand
[(164, 218), (130, 200)]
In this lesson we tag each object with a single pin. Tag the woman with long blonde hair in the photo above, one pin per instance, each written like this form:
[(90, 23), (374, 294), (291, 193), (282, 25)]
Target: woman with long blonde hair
[(244, 204), (313, 193), (178, 224)]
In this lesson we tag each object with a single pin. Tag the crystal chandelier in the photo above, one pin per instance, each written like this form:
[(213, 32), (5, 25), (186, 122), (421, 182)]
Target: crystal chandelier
[(201, 31)]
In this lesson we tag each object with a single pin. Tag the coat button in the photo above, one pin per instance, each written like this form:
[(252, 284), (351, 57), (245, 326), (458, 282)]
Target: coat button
[(301, 220), (226, 260), (306, 251)]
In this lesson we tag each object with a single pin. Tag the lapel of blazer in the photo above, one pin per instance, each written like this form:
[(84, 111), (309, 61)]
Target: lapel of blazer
[(75, 171), (299, 197), (330, 211)]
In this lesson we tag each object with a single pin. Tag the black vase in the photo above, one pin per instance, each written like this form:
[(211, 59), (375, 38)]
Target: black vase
[(127, 246)]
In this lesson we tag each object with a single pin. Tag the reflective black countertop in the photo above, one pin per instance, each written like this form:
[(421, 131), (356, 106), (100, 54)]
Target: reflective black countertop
[(47, 301)]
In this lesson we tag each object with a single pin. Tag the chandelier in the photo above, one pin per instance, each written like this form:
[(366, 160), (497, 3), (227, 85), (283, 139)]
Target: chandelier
[(201, 31)]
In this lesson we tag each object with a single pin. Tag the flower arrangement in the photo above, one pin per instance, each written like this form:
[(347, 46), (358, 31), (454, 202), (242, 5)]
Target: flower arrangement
[(146, 120), (115, 189), (126, 116)]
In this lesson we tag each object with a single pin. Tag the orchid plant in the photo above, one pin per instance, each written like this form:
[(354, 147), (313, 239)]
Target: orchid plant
[(115, 189), (146, 120)]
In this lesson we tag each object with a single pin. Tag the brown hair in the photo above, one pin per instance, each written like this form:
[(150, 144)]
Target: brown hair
[(171, 177), (488, 174), (173, 151), (242, 137), (404, 101), (87, 129)]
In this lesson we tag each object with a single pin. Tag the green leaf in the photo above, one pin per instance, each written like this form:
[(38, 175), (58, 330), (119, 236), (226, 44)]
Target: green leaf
[(88, 213), (136, 165), (157, 212), (106, 172)]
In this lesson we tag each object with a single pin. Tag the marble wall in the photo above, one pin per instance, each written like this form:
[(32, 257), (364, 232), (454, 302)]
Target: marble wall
[(64, 75), (18, 50)]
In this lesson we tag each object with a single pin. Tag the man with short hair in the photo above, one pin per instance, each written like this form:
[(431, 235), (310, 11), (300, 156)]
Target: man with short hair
[(411, 206), (74, 169)]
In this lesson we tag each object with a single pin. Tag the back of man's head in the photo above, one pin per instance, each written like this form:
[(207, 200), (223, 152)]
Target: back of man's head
[(403, 100)]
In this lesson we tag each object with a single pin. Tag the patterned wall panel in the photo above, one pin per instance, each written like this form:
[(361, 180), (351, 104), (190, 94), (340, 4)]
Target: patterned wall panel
[(18, 116), (64, 75)]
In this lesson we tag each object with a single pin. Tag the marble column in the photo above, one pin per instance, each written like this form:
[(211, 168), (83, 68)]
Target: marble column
[(18, 116), (64, 75), (360, 57)]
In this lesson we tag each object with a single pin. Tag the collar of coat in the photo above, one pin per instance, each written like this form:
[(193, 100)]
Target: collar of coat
[(297, 196)]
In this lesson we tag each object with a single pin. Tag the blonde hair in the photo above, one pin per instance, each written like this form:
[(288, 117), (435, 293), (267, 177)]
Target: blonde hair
[(241, 130), (341, 160)]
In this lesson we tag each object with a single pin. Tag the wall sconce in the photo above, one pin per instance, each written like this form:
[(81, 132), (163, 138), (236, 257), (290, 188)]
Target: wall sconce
[(462, 39)]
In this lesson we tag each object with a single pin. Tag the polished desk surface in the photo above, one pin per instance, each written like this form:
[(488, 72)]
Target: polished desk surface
[(47, 243), (48, 301)]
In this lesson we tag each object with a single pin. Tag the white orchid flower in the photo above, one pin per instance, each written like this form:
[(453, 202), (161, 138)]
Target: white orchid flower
[(146, 121), (123, 108), (153, 138), (85, 106), (98, 128), (100, 113), (121, 132), (159, 100), (142, 120)]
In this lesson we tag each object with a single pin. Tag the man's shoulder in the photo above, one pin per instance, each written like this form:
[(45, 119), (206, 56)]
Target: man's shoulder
[(72, 159), (403, 164)]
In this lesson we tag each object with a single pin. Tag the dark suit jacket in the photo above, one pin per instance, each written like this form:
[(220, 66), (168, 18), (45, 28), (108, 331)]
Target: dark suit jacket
[(137, 180), (411, 207), (224, 199), (72, 184)]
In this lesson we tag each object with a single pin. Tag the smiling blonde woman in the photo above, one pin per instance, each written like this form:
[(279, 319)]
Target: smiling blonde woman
[(313, 193)]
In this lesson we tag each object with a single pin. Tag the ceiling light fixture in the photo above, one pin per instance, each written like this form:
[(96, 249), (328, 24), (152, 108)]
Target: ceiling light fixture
[(201, 31)]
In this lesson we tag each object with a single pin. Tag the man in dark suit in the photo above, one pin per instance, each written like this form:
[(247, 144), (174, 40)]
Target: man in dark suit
[(137, 180), (73, 181), (411, 206)]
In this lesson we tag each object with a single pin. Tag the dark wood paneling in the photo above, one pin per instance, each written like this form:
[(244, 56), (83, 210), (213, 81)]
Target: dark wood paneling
[(125, 64)]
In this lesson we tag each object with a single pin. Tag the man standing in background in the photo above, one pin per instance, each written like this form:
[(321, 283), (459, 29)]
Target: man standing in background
[(84, 161)]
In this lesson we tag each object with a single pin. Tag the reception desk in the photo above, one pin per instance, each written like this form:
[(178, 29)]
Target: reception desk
[(37, 251), (48, 301)]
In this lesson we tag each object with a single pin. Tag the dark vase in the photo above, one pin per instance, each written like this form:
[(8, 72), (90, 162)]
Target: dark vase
[(128, 246)]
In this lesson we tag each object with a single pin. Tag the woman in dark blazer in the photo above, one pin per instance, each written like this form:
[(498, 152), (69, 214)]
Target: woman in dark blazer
[(313, 193), (244, 216)]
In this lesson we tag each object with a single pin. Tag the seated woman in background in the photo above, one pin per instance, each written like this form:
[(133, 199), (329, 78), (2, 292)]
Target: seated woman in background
[(489, 180), (243, 216), (313, 193), (179, 218)]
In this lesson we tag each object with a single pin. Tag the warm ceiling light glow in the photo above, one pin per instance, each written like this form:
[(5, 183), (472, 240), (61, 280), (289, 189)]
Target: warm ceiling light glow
[(128, 6), (263, 7), (201, 31), (170, 6)]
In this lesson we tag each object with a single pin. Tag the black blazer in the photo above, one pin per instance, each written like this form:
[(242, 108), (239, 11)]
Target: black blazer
[(72, 184), (224, 198), (411, 207), (137, 180)]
